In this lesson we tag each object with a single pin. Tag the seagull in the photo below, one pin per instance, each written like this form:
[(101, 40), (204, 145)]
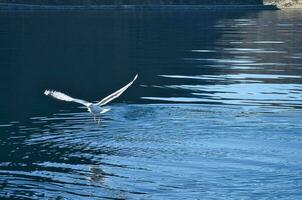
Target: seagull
[(95, 109)]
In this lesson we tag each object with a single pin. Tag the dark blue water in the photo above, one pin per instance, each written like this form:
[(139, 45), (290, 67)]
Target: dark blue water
[(215, 114)]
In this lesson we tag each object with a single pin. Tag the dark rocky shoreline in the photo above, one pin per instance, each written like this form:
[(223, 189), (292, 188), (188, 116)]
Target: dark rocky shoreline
[(13, 6), (123, 4), (135, 2)]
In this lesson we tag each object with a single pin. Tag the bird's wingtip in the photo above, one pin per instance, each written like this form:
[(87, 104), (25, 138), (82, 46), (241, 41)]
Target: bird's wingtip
[(47, 92)]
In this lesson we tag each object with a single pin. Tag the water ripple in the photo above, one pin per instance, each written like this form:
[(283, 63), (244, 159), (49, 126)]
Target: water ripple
[(215, 114)]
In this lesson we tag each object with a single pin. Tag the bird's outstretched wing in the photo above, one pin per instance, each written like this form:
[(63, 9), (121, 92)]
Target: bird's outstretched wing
[(116, 94), (64, 97)]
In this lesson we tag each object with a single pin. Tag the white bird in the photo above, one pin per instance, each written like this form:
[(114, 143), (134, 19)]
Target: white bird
[(94, 108)]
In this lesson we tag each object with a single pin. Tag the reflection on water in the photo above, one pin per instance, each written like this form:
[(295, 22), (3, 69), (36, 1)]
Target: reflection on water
[(215, 113), (244, 67)]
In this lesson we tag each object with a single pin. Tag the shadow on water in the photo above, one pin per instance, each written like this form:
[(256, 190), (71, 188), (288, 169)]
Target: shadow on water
[(215, 111)]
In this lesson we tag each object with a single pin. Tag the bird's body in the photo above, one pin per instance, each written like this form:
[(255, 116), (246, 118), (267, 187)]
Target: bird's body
[(95, 108)]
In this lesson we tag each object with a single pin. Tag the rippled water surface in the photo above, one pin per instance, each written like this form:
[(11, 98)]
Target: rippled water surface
[(215, 114)]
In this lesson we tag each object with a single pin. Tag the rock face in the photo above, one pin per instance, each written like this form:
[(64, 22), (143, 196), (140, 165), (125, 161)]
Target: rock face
[(285, 3), (136, 2)]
